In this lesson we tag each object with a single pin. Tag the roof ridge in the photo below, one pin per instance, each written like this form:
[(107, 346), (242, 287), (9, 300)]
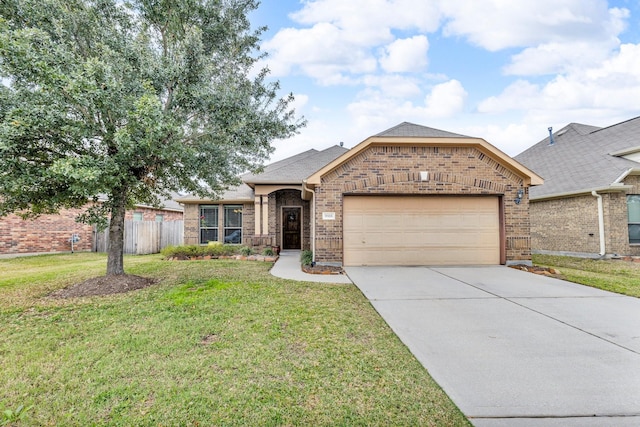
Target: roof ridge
[(616, 124)]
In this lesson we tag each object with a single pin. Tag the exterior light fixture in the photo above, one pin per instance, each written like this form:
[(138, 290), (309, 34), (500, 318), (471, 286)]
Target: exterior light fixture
[(519, 196)]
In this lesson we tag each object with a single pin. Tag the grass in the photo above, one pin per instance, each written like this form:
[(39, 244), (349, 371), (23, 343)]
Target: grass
[(215, 343), (618, 276)]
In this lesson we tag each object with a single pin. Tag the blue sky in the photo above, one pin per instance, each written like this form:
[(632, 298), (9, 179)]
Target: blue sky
[(501, 70)]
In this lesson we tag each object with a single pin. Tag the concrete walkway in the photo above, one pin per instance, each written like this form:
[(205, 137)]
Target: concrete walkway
[(513, 348), (288, 267)]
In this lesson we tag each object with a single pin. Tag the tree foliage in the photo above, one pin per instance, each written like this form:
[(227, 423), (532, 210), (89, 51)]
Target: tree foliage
[(132, 100)]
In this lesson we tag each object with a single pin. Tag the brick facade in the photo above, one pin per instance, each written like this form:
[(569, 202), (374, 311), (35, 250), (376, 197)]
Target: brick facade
[(570, 225), (149, 214), (290, 198), (396, 170), (52, 233), (48, 233), (192, 222)]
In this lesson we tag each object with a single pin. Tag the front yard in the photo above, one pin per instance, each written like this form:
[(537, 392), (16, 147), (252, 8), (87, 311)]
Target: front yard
[(618, 276), (217, 342)]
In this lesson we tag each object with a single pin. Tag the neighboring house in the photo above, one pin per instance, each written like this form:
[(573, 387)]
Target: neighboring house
[(53, 233), (589, 204), (411, 195)]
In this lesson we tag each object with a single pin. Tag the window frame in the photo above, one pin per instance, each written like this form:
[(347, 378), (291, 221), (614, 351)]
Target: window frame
[(228, 229), (204, 227), (632, 223)]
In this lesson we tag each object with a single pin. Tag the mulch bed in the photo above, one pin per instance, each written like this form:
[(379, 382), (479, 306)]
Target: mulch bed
[(543, 271), (322, 269), (105, 285)]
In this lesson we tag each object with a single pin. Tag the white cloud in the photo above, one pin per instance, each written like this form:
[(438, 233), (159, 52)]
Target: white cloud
[(496, 25), (375, 110), (613, 84), (393, 85), (445, 99), (406, 55), (552, 58), (322, 52)]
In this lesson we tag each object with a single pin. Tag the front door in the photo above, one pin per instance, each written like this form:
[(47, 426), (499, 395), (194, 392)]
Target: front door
[(291, 228)]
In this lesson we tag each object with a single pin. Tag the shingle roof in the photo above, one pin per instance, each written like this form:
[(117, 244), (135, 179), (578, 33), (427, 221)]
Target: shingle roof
[(295, 169), (580, 158), (412, 130)]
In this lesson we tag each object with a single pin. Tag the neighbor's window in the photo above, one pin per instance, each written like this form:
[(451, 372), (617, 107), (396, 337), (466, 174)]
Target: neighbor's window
[(208, 223), (633, 209), (159, 218), (137, 216), (233, 224)]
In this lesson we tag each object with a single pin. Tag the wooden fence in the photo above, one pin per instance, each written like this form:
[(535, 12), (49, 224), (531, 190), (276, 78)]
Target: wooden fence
[(144, 237)]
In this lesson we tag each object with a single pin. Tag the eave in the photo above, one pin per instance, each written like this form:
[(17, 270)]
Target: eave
[(613, 188)]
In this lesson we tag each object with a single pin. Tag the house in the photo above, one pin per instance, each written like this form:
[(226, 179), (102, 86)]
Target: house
[(53, 232), (589, 204), (411, 195)]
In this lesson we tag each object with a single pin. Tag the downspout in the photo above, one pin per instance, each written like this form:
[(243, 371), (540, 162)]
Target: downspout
[(600, 222), (313, 220)]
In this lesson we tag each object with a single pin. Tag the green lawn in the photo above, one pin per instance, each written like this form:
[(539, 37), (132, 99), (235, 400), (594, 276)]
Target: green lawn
[(618, 276), (215, 343)]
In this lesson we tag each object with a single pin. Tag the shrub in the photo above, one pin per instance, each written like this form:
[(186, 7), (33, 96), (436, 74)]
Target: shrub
[(246, 251), (268, 252), (306, 257), (187, 251)]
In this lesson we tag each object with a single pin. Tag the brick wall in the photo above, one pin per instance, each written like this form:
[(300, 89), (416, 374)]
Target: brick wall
[(192, 222), (571, 224), (565, 225), (48, 233), (396, 170), (149, 214), (290, 198), (51, 233)]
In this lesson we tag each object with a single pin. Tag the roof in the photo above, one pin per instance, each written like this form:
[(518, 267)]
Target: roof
[(583, 158), (412, 134), (169, 204), (294, 170), (413, 130), (240, 193)]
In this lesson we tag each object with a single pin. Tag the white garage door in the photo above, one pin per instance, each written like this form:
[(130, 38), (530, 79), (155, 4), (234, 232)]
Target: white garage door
[(384, 230)]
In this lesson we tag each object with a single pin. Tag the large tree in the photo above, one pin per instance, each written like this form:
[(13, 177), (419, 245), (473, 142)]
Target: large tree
[(130, 99)]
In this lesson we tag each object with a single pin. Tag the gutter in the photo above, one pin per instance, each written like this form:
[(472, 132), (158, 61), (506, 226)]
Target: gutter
[(630, 171), (600, 222), (614, 187)]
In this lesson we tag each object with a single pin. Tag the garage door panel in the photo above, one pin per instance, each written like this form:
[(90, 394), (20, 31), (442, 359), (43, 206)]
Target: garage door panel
[(380, 230)]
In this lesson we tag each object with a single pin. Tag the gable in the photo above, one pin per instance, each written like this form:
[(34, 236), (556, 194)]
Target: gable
[(483, 147)]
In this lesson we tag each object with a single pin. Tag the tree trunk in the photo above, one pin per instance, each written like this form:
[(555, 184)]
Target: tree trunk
[(115, 260)]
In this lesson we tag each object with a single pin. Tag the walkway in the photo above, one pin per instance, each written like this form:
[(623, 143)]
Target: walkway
[(288, 267)]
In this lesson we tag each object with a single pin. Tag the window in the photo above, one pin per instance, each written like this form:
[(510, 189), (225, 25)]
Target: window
[(208, 223), (633, 209), (159, 218), (233, 224), (137, 216)]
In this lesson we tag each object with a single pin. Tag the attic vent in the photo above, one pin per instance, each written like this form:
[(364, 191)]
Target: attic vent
[(551, 141)]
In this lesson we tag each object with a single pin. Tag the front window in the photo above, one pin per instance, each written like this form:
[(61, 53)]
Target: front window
[(633, 209), (208, 224), (233, 224)]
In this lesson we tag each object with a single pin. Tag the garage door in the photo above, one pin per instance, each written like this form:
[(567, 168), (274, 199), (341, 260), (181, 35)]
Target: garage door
[(382, 230)]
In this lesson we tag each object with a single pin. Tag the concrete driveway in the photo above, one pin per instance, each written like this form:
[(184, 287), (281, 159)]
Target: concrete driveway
[(512, 348)]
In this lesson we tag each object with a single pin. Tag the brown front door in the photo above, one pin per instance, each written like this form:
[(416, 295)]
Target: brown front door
[(291, 227)]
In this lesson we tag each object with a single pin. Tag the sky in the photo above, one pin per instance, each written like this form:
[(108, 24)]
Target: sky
[(501, 70)]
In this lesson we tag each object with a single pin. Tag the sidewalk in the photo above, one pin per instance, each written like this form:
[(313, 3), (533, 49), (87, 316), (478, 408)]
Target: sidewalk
[(288, 267)]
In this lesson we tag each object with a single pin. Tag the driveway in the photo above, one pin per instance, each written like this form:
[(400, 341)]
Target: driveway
[(513, 348)]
